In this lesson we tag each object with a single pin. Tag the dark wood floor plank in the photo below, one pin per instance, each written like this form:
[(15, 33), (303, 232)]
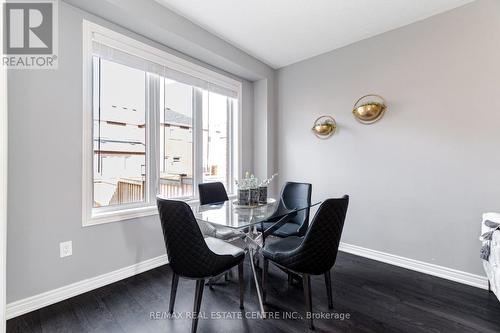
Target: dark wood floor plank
[(129, 314), (378, 298), (29, 323), (60, 318), (94, 315)]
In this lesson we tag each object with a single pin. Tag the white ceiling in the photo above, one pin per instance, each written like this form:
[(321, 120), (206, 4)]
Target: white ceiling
[(282, 32)]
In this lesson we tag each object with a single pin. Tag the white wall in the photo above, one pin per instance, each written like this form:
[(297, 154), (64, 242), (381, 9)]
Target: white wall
[(44, 195), (3, 180), (420, 178)]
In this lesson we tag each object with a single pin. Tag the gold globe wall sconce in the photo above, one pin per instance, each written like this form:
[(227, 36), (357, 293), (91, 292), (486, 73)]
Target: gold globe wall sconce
[(324, 127), (369, 108)]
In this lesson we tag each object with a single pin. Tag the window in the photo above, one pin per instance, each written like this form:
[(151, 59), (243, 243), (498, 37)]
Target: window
[(176, 139), (119, 134), (153, 124), (217, 110)]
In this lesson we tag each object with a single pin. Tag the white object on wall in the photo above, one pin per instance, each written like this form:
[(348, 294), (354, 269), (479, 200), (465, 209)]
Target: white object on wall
[(492, 265), (65, 249)]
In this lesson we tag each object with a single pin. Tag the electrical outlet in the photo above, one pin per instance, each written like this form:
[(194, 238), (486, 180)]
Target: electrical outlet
[(65, 249)]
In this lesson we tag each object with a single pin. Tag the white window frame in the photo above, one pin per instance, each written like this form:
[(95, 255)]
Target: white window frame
[(94, 216)]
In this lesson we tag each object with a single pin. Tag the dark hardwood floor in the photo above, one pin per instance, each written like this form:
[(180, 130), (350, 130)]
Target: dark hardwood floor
[(376, 296)]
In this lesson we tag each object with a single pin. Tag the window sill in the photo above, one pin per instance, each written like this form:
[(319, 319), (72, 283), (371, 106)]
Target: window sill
[(131, 213), (120, 215)]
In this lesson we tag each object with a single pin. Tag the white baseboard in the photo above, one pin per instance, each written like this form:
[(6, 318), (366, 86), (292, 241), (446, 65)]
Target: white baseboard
[(419, 266), (32, 303)]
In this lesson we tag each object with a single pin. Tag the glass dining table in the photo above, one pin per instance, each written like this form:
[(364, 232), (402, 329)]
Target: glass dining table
[(245, 220)]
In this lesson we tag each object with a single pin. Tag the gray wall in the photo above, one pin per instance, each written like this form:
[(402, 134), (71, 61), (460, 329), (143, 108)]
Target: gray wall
[(265, 161), (420, 178), (260, 128), (45, 158)]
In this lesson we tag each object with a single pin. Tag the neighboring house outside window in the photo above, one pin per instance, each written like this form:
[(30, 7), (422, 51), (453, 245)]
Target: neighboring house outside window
[(152, 126)]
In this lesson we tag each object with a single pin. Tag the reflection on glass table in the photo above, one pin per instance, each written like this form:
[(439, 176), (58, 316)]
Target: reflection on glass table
[(245, 220)]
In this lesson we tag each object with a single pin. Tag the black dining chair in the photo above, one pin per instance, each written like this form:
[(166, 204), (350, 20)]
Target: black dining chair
[(211, 193), (193, 257), (215, 193), (313, 254), (293, 195)]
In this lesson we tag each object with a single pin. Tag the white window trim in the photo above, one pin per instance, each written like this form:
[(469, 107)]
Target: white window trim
[(92, 31)]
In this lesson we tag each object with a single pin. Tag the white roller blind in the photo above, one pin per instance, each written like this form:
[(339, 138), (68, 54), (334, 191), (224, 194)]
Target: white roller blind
[(222, 91), (108, 53), (140, 61)]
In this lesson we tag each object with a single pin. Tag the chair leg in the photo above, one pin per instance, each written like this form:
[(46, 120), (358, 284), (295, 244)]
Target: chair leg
[(173, 292), (328, 282), (242, 284), (226, 276), (307, 295), (210, 284), (197, 303), (265, 269)]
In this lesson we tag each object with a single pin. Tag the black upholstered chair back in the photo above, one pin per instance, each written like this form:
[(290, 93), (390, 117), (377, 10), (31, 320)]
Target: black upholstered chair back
[(189, 255), (318, 251), (212, 193), (296, 195), (187, 251)]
